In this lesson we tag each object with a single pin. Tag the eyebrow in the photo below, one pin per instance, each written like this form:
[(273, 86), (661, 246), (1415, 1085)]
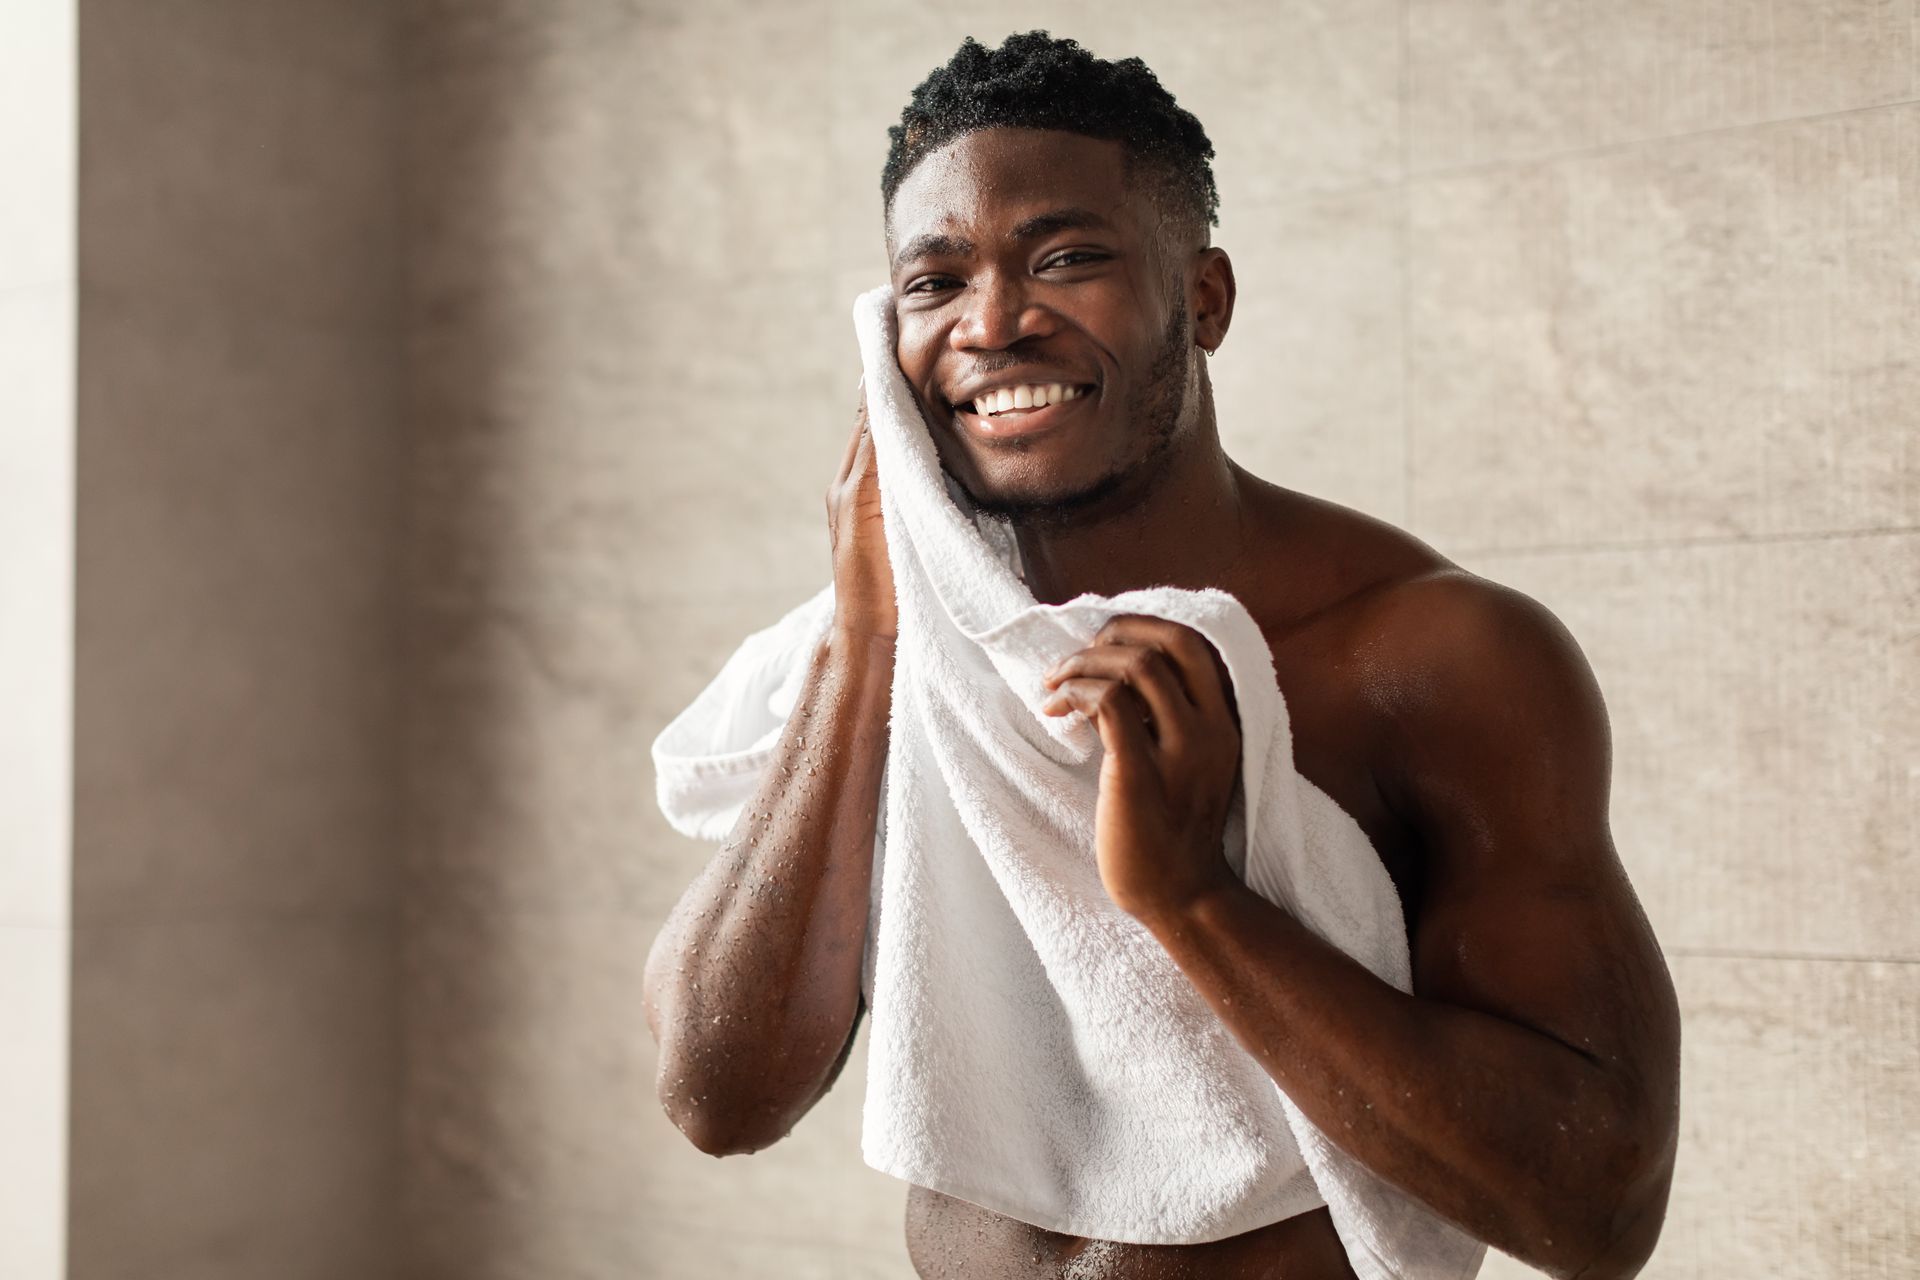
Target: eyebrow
[(933, 244), (1046, 224), (940, 244)]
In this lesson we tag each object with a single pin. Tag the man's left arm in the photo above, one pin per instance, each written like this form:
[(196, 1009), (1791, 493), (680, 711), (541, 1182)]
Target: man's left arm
[(1527, 1089)]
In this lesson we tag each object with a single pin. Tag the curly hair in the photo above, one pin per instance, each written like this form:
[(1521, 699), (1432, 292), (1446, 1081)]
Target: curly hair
[(1035, 81)]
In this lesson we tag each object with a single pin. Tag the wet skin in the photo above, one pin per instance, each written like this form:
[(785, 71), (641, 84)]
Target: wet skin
[(1029, 256), (1527, 1088)]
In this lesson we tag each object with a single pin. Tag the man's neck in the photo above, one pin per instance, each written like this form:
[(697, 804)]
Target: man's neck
[(1187, 529)]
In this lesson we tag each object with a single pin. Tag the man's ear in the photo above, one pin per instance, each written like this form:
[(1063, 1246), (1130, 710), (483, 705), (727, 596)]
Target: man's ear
[(1212, 296)]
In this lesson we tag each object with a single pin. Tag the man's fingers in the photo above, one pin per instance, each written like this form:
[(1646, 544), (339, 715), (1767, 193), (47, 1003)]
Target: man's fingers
[(853, 440), (1203, 673), (1149, 674), (1115, 709)]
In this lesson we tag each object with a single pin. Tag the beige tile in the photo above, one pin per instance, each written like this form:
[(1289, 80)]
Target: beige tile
[(1500, 80), (1765, 703), (1307, 386), (473, 36), (1704, 337), (501, 334), (532, 726), (353, 40), (234, 1098), (1300, 97), (646, 379), (530, 1081), (36, 604), (665, 147), (1798, 1109), (688, 494), (237, 640), (223, 161), (33, 1101)]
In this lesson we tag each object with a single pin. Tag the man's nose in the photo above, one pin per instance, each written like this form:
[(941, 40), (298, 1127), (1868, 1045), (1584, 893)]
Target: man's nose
[(997, 312)]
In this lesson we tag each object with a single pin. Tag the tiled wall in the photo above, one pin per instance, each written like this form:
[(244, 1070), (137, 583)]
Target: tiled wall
[(1617, 304), (1663, 283), (37, 286), (235, 803)]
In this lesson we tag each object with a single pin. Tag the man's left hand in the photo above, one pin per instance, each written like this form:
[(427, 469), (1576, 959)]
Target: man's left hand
[(1160, 697)]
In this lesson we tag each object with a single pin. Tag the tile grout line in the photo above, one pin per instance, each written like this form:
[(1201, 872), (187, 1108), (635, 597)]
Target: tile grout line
[(1629, 144), (1683, 543), (1740, 953)]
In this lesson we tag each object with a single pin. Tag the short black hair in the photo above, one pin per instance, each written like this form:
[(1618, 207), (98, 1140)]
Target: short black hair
[(1035, 81)]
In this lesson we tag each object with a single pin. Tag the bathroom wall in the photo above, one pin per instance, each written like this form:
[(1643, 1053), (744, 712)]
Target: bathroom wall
[(37, 286), (236, 795), (1615, 305), (1662, 325)]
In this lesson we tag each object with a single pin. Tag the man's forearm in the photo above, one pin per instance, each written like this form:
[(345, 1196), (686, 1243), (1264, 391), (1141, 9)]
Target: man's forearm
[(1516, 1137), (753, 984)]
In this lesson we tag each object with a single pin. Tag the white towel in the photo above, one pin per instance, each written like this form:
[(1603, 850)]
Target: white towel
[(1033, 1048)]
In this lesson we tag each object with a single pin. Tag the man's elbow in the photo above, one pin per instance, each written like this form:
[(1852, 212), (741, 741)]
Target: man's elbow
[(716, 1132), (1615, 1236), (720, 1112), (718, 1116)]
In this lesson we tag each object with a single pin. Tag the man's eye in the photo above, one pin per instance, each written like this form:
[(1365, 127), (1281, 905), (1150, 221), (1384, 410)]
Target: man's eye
[(1074, 257), (928, 284)]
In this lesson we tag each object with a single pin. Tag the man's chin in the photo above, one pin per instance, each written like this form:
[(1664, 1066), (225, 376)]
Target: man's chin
[(1031, 503)]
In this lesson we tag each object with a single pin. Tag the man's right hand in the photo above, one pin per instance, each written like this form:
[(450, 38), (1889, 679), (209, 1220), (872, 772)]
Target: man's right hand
[(862, 573)]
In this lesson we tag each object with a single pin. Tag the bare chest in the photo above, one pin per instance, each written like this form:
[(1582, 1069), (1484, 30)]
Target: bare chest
[(1338, 746)]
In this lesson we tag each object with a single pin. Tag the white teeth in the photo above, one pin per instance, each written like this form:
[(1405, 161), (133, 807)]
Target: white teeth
[(1032, 396)]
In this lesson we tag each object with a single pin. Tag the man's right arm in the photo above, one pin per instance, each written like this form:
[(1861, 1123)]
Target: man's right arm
[(752, 988), (753, 985)]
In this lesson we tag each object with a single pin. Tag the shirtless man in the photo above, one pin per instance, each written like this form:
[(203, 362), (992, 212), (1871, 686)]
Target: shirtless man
[(1052, 229)]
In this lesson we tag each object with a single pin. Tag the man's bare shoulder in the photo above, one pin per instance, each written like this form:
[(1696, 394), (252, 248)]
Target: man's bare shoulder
[(1327, 567), (1419, 642), (1449, 634)]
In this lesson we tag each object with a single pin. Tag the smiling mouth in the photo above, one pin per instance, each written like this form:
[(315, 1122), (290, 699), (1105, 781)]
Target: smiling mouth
[(1021, 410), (1022, 399)]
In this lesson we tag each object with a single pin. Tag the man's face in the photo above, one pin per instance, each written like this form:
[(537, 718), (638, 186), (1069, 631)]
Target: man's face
[(1023, 258)]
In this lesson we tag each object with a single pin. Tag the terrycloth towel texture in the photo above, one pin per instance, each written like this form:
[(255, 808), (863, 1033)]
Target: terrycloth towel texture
[(1033, 1048)]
